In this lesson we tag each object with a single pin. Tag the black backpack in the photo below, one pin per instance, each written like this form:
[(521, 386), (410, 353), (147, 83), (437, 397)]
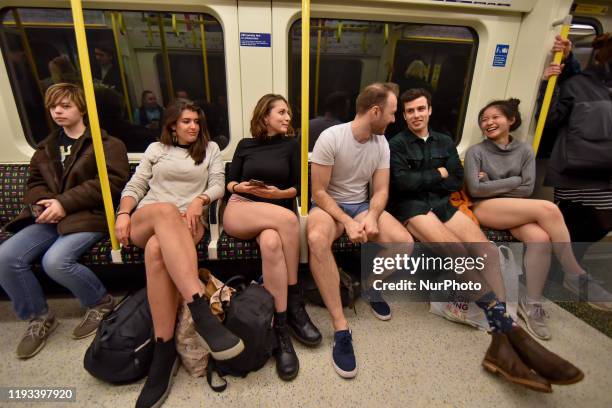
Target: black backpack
[(249, 316), (122, 350)]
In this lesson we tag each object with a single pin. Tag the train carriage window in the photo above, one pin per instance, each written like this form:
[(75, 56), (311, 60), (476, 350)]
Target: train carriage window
[(582, 32), (348, 54), (130, 53)]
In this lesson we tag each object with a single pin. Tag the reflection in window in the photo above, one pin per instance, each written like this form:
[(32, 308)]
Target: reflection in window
[(39, 49), (346, 55), (582, 35)]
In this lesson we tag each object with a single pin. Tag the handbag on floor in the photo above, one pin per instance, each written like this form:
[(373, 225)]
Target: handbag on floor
[(122, 350)]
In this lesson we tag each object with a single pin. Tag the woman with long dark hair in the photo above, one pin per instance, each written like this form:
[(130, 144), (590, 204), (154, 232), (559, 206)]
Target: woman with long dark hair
[(500, 175), (162, 210)]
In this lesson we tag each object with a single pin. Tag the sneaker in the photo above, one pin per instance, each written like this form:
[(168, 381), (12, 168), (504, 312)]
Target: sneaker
[(535, 317), (343, 354), (588, 288), (36, 335), (378, 305), (93, 317)]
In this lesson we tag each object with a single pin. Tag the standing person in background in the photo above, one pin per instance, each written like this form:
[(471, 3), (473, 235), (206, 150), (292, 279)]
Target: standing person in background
[(580, 167), (264, 181), (150, 113), (337, 105), (63, 218), (162, 210), (61, 70), (107, 69), (568, 67)]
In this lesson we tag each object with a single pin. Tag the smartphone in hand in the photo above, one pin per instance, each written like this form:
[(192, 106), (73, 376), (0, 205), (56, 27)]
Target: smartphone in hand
[(36, 210), (257, 183)]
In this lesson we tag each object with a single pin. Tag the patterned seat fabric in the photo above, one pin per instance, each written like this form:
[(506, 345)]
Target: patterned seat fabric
[(230, 248), (13, 179)]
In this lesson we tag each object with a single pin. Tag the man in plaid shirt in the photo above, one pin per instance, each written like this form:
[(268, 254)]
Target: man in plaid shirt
[(425, 170)]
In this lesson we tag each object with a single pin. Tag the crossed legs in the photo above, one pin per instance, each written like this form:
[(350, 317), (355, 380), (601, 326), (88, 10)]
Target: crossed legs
[(457, 230), (537, 223), (170, 261)]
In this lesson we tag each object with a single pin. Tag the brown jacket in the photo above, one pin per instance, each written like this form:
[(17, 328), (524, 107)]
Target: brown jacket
[(77, 187)]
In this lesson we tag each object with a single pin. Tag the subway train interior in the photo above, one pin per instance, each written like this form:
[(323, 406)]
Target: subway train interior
[(226, 54)]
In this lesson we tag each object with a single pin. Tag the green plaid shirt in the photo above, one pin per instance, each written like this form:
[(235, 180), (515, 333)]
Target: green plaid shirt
[(417, 187)]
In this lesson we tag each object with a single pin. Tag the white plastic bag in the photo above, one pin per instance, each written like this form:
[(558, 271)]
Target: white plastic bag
[(460, 310)]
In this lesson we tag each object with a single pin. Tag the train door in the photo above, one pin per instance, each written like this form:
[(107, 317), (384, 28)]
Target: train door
[(446, 48)]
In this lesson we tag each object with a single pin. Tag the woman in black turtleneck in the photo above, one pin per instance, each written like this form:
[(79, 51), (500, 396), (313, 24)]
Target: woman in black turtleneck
[(264, 212)]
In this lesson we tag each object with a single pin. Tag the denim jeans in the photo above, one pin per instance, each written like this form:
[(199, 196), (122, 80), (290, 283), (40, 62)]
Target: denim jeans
[(60, 254)]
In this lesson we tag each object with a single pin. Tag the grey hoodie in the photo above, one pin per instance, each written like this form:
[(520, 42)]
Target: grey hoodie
[(510, 169)]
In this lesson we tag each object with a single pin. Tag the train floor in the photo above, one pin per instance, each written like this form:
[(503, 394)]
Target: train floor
[(415, 359)]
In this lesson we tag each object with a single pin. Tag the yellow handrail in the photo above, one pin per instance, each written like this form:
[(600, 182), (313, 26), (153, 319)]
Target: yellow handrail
[(165, 58), (30, 58), (305, 104), (550, 87), (204, 57), (79, 32), (126, 98), (317, 69)]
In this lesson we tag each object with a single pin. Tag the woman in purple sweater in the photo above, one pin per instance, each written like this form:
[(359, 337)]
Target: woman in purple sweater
[(500, 176)]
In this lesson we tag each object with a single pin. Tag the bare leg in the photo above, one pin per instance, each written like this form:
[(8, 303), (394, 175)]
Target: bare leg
[(246, 220), (322, 230), (175, 242), (390, 230), (428, 228), (506, 213), (537, 257), (467, 231), (274, 268), (277, 231), (161, 291)]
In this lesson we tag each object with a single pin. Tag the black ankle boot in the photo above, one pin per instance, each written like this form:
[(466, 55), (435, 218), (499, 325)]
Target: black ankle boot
[(163, 368), (287, 363), (298, 320), (223, 344)]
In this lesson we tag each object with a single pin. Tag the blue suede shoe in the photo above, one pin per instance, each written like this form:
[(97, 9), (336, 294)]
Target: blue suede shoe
[(343, 354), (379, 306)]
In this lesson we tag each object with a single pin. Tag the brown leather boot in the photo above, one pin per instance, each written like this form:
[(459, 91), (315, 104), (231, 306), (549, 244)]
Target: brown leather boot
[(544, 362), (501, 358)]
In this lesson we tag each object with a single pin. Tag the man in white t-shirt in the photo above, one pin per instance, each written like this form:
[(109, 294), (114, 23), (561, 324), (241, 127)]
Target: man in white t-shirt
[(344, 160)]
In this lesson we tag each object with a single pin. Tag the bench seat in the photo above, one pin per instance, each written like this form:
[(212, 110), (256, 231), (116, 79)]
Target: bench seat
[(13, 178)]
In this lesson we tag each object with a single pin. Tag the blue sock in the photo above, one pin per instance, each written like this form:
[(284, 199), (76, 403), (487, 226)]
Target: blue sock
[(495, 311)]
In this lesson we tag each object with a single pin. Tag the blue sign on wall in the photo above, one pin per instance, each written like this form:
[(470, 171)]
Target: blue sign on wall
[(255, 40), (501, 55)]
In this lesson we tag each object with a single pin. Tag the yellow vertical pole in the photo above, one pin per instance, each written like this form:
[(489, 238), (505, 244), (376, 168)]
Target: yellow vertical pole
[(166, 59), (305, 104), (318, 68), (550, 87), (126, 97), (392, 60), (31, 62), (204, 57), (79, 31)]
